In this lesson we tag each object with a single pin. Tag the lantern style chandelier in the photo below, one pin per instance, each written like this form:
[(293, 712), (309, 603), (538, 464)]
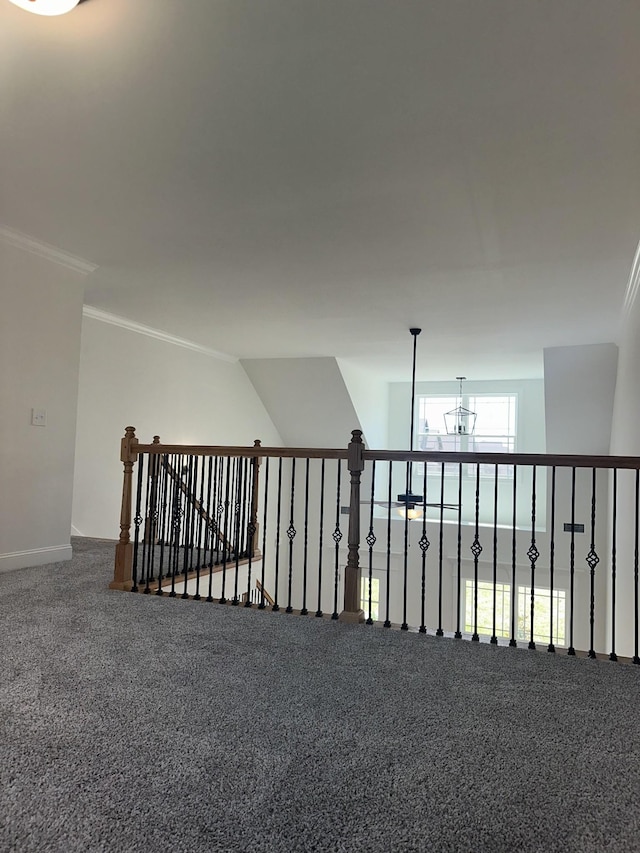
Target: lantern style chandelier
[(460, 421), (47, 7)]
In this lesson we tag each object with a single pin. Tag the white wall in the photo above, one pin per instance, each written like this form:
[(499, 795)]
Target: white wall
[(579, 389), (370, 397), (181, 395), (40, 321), (306, 398)]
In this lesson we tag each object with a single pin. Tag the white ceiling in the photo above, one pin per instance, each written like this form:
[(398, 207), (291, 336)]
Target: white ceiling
[(306, 178)]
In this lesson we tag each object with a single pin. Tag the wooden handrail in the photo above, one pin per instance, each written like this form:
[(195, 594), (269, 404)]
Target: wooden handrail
[(530, 459), (539, 459), (246, 452)]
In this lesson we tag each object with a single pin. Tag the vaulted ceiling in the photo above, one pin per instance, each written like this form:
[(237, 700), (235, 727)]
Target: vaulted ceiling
[(311, 177)]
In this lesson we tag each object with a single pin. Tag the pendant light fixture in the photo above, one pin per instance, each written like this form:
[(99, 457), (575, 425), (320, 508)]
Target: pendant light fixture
[(47, 7), (410, 503), (460, 421)]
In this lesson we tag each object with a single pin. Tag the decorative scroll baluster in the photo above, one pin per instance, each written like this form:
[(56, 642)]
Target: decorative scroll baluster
[(494, 635), (337, 537), (320, 539), (512, 640), (371, 541), (592, 562), (122, 572), (614, 535), (439, 631), (304, 610), (188, 527), (551, 647), (387, 621), (476, 550), (424, 547), (533, 555), (458, 633), (176, 532), (572, 561), (211, 523), (291, 534)]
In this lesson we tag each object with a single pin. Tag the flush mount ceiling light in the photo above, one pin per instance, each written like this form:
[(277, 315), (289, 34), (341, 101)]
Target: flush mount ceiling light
[(47, 7)]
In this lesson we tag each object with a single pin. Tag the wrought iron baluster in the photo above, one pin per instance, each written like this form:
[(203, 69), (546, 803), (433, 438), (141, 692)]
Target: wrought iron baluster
[(147, 537), (164, 486), (304, 610), (533, 555), (572, 561), (226, 524), (614, 538), (252, 521), (137, 521), (261, 606), (201, 526), (592, 562), (237, 539), (188, 527), (337, 536), (405, 559), (424, 547), (154, 514), (387, 621), (291, 534), (476, 550), (636, 550), (371, 541), (439, 631), (551, 647), (494, 635), (275, 607), (458, 633), (176, 534), (512, 640), (320, 539), (211, 522)]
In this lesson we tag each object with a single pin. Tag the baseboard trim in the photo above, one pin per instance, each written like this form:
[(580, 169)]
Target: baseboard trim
[(34, 557)]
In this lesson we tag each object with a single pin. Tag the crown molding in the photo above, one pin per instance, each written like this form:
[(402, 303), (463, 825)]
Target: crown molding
[(45, 250), (633, 285), (140, 329)]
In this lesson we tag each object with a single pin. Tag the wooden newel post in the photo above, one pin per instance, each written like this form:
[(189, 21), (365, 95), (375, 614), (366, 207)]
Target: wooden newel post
[(352, 610), (122, 574), (256, 462)]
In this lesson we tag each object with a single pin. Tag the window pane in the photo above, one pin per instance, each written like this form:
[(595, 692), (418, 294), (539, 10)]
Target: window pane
[(375, 597), (485, 607), (542, 632)]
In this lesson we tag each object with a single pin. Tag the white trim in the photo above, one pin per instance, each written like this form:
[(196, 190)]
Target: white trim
[(34, 557), (45, 250), (634, 284), (139, 328)]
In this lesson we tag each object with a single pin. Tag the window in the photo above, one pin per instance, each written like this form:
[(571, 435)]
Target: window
[(495, 427), (542, 612), (375, 597), (485, 608)]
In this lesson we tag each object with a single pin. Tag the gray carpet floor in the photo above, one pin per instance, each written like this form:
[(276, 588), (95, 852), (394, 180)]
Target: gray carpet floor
[(137, 723)]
